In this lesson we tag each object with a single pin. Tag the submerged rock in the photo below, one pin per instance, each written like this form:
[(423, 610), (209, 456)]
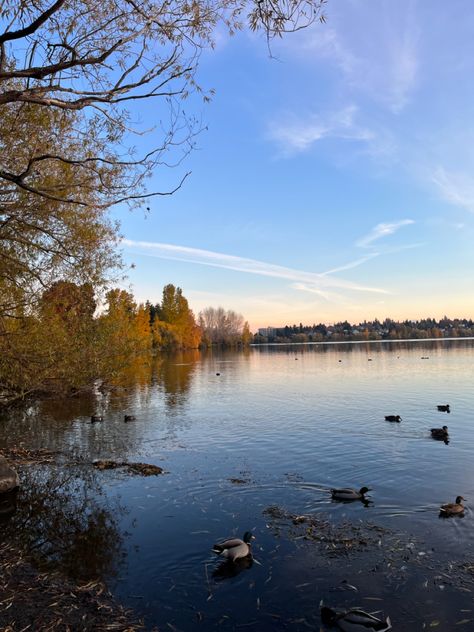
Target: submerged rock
[(8, 477)]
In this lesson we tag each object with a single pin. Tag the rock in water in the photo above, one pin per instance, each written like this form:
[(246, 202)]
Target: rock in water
[(8, 477)]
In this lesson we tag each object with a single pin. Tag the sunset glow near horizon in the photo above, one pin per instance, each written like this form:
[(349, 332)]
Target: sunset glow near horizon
[(335, 181)]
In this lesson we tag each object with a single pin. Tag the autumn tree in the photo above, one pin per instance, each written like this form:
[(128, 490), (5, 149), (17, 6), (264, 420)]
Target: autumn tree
[(52, 348), (89, 61), (222, 327), (123, 331), (246, 335), (175, 325), (73, 74)]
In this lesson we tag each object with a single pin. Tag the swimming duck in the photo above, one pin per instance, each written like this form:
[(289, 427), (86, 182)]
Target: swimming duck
[(453, 509), (234, 549), (347, 493), (354, 620), (439, 433), (393, 418), (129, 418), (443, 408), (96, 418)]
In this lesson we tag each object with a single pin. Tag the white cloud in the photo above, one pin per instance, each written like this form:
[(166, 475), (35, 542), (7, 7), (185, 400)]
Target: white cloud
[(326, 43), (297, 134), (382, 230), (376, 48), (455, 187), (318, 282), (353, 264), (404, 70)]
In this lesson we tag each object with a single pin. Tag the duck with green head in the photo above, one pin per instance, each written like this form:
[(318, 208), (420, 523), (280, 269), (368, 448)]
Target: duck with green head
[(347, 493), (235, 549)]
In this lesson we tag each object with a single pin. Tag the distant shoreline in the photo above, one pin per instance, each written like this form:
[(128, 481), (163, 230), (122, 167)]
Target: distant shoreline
[(356, 342)]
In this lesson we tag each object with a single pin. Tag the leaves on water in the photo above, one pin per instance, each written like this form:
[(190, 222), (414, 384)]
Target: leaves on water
[(143, 469)]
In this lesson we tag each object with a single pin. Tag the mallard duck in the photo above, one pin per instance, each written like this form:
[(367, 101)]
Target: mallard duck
[(439, 433), (354, 620), (347, 493), (393, 418), (453, 509), (96, 418), (443, 408), (234, 548), (129, 418)]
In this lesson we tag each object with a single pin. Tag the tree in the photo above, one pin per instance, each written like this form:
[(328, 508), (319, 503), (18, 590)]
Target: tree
[(69, 301), (246, 335), (53, 349), (46, 237), (221, 327), (71, 73), (87, 60), (176, 326)]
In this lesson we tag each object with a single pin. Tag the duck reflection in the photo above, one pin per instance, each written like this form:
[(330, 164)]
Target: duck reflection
[(8, 503), (228, 569)]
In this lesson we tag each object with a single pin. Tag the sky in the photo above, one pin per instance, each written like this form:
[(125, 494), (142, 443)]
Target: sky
[(334, 179)]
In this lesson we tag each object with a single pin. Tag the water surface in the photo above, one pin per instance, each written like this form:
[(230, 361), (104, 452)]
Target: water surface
[(278, 427)]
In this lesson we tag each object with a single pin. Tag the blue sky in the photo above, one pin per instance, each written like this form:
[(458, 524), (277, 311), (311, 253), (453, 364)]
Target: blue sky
[(334, 181)]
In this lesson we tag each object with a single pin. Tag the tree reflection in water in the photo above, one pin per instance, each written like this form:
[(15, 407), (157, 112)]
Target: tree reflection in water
[(175, 375), (63, 522)]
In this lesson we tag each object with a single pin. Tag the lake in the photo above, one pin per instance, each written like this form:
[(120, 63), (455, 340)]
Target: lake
[(249, 440)]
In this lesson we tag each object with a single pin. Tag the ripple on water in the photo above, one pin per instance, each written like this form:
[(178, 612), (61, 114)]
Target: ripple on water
[(272, 432)]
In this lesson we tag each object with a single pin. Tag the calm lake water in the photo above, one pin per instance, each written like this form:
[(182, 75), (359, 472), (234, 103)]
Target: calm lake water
[(245, 450)]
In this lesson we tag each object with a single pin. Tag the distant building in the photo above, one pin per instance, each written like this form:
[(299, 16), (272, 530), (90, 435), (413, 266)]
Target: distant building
[(268, 332)]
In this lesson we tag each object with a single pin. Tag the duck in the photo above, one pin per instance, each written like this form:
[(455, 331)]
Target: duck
[(393, 418), (354, 620), (443, 408), (235, 549), (129, 418), (346, 493), (439, 433), (96, 418), (453, 509)]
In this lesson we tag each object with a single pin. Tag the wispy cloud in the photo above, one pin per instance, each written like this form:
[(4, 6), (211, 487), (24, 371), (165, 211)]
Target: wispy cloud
[(327, 44), (455, 187), (382, 230), (404, 68), (319, 282), (384, 67), (352, 264), (294, 134)]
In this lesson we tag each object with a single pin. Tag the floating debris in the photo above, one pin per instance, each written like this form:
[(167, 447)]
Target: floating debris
[(144, 469), (23, 456), (239, 481), (27, 597)]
